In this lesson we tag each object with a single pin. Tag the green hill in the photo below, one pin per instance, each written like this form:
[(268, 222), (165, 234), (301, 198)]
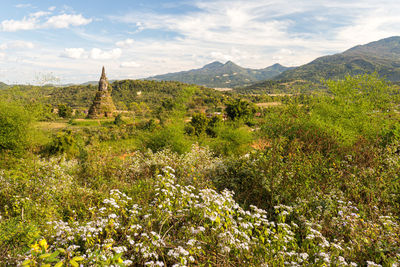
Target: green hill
[(3, 85), (279, 87), (221, 75), (382, 56), (125, 91)]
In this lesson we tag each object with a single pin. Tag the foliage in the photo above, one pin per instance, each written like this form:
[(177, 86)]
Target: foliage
[(118, 120), (240, 110), (312, 181), (171, 136), (183, 224), (64, 111), (15, 127), (231, 140), (63, 143), (199, 122)]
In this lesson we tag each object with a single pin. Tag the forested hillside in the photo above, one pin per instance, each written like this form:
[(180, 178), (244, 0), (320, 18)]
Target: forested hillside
[(221, 75), (124, 93), (381, 56)]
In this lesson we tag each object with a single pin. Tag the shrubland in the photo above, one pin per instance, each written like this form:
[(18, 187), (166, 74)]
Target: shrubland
[(313, 181)]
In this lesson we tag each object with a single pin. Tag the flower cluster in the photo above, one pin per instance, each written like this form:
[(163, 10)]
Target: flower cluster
[(183, 225)]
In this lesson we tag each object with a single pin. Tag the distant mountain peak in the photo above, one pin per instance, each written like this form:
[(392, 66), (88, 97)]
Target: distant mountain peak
[(213, 64), (217, 74), (230, 63)]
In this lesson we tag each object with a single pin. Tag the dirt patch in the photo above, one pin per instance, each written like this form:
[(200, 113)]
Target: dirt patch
[(51, 125), (268, 104)]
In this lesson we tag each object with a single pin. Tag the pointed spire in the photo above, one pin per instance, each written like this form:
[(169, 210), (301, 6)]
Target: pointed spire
[(103, 73), (103, 82)]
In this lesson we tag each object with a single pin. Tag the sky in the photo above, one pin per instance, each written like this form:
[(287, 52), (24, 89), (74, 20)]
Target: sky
[(60, 41)]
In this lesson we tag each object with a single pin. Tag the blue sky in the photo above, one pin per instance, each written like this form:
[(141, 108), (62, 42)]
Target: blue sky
[(72, 40)]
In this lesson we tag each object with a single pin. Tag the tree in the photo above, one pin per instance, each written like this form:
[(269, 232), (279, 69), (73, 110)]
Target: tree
[(15, 127), (64, 111), (199, 122), (118, 120), (239, 109)]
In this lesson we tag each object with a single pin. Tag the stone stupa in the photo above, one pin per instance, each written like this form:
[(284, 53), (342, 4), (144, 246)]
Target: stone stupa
[(103, 105)]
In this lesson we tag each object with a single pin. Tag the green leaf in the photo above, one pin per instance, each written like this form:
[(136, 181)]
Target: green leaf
[(55, 254), (59, 264), (78, 258), (61, 250), (73, 263), (46, 255), (26, 262), (45, 265)]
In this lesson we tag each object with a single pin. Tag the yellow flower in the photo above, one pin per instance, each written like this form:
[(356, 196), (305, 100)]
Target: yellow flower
[(43, 244), (120, 260), (35, 247)]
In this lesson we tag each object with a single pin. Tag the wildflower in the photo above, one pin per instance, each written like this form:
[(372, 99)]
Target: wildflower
[(120, 249), (112, 216), (43, 244), (35, 247), (191, 242), (372, 264)]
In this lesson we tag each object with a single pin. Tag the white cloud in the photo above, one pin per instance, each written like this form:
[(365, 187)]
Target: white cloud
[(23, 5), (74, 53), (373, 25), (220, 56), (99, 54), (251, 33), (33, 21), (17, 45), (52, 8), (129, 64), (65, 20), (265, 31), (95, 53), (17, 25), (125, 43), (2, 56), (39, 14)]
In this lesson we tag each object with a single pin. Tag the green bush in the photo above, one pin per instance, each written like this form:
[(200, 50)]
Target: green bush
[(64, 142), (15, 127), (170, 136), (231, 140), (64, 111), (199, 122), (118, 120), (240, 110)]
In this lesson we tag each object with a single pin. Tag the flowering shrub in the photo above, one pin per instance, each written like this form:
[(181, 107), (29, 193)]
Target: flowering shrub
[(183, 225), (194, 164), (138, 211)]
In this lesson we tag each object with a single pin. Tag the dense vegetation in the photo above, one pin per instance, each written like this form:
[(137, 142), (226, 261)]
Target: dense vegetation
[(204, 178), (126, 94), (281, 87)]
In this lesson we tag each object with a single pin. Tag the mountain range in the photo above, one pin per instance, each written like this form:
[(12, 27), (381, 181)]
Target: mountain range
[(217, 74), (382, 56)]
